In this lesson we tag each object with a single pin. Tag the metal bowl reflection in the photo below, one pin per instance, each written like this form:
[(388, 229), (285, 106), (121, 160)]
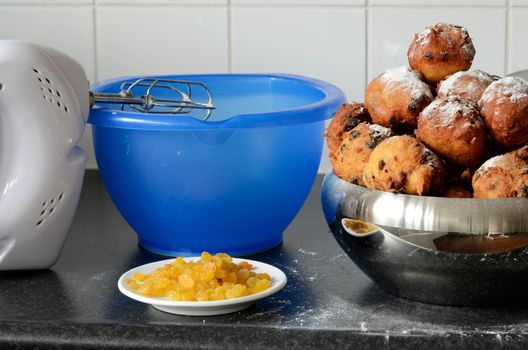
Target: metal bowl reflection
[(464, 252)]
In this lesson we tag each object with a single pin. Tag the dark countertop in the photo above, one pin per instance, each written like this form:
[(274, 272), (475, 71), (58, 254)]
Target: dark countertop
[(328, 302)]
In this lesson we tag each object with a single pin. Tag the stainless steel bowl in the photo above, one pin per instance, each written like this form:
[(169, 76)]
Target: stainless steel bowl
[(447, 251), (520, 73)]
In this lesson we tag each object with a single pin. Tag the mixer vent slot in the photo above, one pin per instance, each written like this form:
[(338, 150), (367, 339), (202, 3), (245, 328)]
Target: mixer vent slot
[(48, 207), (49, 92)]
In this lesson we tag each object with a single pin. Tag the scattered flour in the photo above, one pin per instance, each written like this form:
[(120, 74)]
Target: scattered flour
[(302, 251)]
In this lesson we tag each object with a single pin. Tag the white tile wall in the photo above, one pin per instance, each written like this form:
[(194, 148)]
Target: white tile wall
[(286, 40), (164, 2), (298, 2), (519, 2), (46, 2), (388, 47), (346, 42), (68, 29), (158, 40), (519, 45), (440, 2)]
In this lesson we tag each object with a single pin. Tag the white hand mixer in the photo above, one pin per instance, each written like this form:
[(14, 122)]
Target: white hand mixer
[(44, 104)]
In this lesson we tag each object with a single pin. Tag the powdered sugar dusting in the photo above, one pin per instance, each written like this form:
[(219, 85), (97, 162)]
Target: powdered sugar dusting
[(424, 37), (512, 89), (381, 129), (446, 111), (467, 84), (405, 78), (455, 106), (467, 48), (490, 163)]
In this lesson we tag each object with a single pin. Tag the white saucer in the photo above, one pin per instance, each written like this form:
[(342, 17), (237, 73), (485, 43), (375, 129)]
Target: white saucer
[(203, 308)]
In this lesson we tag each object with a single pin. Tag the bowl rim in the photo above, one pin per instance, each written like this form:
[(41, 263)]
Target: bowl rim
[(434, 198), (320, 110), (426, 213)]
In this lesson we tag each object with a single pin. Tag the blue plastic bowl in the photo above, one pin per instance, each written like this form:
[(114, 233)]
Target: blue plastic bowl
[(230, 184)]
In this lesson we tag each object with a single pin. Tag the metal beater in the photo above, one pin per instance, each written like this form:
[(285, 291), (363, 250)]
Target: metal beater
[(140, 96)]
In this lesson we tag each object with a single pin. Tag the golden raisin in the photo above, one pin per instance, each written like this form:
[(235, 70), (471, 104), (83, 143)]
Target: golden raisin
[(210, 278), (186, 281), (242, 274)]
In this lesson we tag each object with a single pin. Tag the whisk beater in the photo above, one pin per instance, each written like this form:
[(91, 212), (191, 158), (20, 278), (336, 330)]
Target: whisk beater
[(140, 95)]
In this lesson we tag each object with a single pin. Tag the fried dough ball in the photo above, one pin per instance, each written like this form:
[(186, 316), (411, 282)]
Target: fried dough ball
[(440, 51), (503, 176), (354, 152), (396, 97), (346, 118), (453, 129), (404, 164), (504, 107), (468, 85)]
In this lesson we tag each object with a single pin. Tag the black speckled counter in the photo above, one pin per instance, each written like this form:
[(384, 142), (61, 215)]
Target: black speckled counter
[(328, 302)]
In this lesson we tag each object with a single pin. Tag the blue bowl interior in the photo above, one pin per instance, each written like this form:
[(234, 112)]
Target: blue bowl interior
[(264, 96), (241, 100)]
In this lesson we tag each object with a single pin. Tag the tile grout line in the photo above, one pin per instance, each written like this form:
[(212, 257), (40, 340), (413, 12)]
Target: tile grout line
[(161, 6), (229, 37), (367, 44), (45, 5), (230, 4), (357, 6), (436, 6), (96, 42), (507, 44)]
